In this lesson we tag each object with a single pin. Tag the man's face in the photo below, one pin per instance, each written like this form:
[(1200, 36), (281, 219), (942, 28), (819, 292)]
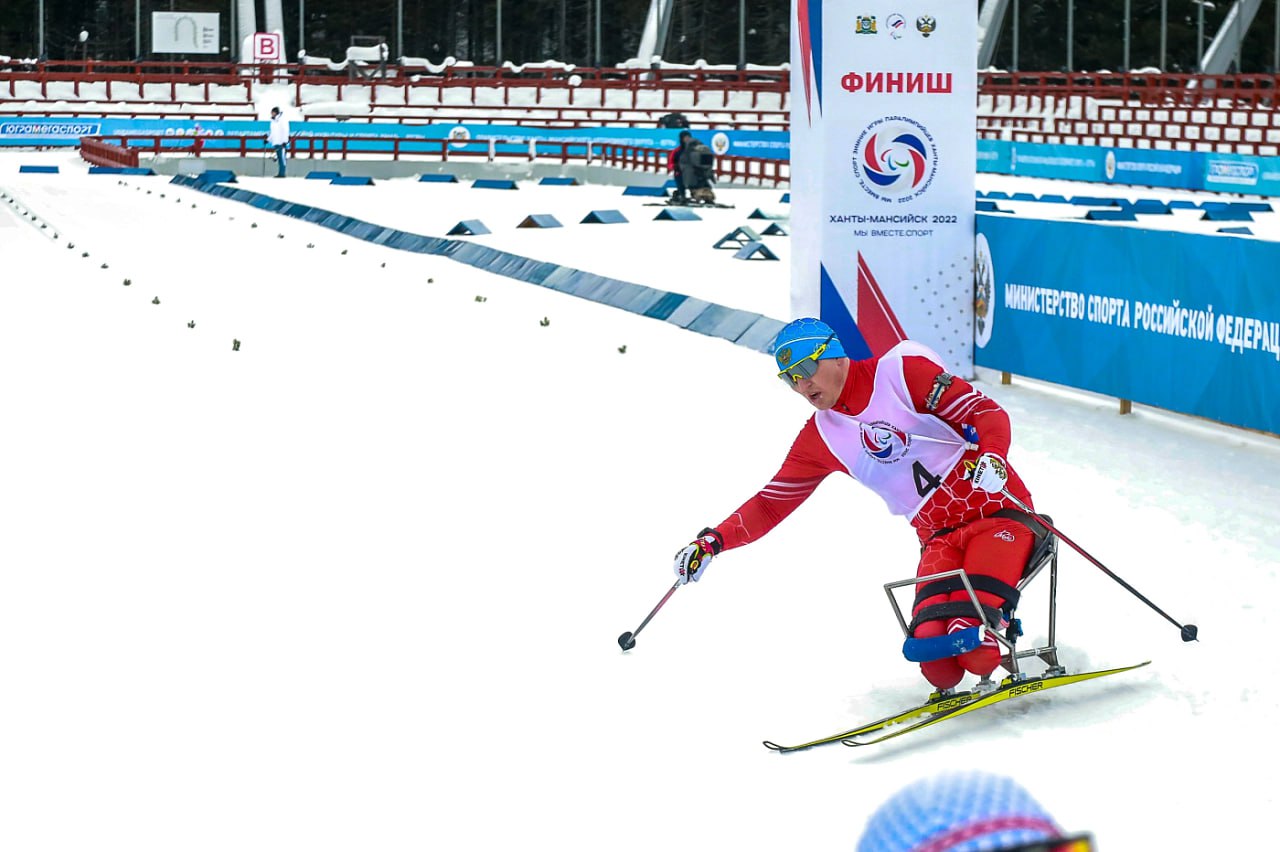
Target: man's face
[(822, 390)]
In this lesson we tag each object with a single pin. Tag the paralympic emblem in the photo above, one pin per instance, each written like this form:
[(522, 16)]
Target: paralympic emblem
[(884, 442), (895, 159)]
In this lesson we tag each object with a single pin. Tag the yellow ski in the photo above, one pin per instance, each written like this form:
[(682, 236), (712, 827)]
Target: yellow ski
[(1009, 688), (935, 706)]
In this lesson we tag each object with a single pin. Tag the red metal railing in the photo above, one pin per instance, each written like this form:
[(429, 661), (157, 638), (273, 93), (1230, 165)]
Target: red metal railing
[(1169, 127), (123, 78), (583, 85), (98, 151), (1241, 91), (1079, 108), (559, 116), (125, 150), (174, 112), (592, 85)]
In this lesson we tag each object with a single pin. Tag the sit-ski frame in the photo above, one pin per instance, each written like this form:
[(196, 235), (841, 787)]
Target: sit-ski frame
[(1045, 553)]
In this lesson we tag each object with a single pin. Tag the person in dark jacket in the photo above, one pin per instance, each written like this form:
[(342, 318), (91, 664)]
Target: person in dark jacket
[(692, 164), (698, 165), (674, 162)]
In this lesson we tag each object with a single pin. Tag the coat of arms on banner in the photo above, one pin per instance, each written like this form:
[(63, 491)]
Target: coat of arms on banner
[(926, 24), (984, 285), (864, 25)]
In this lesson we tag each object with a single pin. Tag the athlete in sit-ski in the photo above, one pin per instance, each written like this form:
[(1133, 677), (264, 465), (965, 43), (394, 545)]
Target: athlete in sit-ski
[(931, 445)]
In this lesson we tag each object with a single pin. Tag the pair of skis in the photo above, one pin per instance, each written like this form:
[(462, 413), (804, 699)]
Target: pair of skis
[(946, 707), (691, 204)]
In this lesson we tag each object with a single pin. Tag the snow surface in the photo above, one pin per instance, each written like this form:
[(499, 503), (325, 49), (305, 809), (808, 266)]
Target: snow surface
[(357, 585)]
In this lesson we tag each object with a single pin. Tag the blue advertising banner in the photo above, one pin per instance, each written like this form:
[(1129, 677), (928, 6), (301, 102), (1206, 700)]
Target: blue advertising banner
[(767, 144), (1240, 173), (1141, 315), (1191, 170)]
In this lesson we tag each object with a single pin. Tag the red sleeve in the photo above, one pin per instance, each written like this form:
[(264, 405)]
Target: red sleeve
[(960, 403), (807, 464)]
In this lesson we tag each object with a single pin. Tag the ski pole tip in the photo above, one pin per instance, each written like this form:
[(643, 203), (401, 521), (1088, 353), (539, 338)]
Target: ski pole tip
[(1190, 633), (626, 641)]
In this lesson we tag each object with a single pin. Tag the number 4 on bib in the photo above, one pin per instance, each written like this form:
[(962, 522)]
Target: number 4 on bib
[(925, 481)]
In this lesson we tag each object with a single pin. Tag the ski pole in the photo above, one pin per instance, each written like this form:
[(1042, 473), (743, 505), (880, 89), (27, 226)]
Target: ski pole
[(627, 640), (1189, 631)]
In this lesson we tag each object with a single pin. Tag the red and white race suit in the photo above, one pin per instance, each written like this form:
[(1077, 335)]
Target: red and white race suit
[(894, 432)]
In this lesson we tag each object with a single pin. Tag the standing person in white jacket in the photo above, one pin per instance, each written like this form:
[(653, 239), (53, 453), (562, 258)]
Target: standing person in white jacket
[(278, 138)]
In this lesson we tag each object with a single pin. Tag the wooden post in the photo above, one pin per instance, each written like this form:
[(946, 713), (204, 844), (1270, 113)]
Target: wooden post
[(1006, 378), (1126, 406)]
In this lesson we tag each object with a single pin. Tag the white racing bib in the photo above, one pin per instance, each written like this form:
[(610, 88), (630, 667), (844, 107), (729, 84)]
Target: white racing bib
[(896, 451)]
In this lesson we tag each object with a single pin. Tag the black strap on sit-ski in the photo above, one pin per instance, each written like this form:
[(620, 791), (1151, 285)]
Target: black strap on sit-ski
[(979, 582), (953, 609), (1031, 522)]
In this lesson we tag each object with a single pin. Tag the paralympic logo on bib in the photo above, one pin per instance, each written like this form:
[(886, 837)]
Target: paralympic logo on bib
[(895, 159), (884, 442)]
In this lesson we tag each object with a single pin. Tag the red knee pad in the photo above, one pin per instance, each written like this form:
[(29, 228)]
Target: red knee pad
[(944, 673), (982, 660)]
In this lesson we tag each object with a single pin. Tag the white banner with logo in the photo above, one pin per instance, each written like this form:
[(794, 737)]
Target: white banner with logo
[(883, 158), (185, 32)]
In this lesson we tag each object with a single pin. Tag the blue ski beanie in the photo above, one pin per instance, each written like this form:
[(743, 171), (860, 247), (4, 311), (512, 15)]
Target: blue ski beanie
[(957, 812), (799, 338)]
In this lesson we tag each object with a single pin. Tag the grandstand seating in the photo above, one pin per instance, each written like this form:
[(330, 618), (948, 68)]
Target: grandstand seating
[(1229, 113)]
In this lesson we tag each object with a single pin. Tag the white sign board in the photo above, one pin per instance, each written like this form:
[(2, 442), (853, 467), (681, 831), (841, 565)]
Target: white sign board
[(883, 145), (185, 32), (268, 47)]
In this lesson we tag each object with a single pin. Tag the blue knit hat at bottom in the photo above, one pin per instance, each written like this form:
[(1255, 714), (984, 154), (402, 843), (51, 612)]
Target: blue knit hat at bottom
[(957, 812), (798, 338)]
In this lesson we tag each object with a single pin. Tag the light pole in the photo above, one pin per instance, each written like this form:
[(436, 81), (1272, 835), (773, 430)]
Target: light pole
[(1016, 27), (1199, 36), (1164, 32), (1128, 26), (84, 47), (1071, 34)]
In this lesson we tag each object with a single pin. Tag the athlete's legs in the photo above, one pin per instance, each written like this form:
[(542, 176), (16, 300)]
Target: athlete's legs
[(999, 548), (939, 555), (994, 547)]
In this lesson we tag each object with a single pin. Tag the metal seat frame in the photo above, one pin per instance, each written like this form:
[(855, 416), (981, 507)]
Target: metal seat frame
[(1044, 554)]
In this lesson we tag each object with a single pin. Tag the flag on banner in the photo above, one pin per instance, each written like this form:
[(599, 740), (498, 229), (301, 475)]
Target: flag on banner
[(883, 157)]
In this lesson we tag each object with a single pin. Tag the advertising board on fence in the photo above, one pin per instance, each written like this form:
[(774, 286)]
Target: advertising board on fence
[(882, 176), (1142, 315), (1192, 170), (764, 144)]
